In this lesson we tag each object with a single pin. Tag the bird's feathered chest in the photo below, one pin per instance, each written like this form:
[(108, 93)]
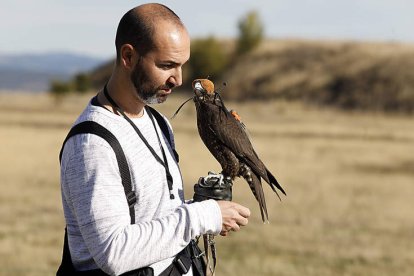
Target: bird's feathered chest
[(209, 112), (217, 125), (209, 117)]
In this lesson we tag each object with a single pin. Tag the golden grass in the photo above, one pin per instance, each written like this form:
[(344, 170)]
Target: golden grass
[(349, 179)]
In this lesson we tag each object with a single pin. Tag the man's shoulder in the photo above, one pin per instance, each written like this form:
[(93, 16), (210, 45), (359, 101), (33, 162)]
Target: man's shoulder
[(100, 115), (87, 140)]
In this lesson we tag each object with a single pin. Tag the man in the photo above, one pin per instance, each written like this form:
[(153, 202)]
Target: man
[(152, 45)]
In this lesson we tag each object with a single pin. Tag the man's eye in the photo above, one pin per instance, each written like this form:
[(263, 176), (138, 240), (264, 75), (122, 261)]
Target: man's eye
[(166, 66)]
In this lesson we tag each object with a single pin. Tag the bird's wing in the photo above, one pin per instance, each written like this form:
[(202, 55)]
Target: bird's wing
[(234, 136)]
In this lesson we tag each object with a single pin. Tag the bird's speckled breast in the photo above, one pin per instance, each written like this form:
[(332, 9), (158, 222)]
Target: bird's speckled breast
[(208, 115)]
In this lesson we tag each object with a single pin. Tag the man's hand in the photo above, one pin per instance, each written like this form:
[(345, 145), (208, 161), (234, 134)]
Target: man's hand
[(233, 216)]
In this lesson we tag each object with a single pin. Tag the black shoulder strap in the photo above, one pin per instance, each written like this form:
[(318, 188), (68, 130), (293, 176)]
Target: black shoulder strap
[(164, 128), (97, 129), (66, 267)]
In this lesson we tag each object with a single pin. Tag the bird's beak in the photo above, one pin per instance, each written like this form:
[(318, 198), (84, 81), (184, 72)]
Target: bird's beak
[(199, 91)]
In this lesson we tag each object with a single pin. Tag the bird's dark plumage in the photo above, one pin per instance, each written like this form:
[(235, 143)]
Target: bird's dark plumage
[(226, 138)]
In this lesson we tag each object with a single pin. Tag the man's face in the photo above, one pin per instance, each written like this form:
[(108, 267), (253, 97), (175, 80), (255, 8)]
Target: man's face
[(159, 71)]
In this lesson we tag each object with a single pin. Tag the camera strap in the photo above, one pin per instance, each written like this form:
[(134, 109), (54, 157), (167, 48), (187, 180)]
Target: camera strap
[(163, 161)]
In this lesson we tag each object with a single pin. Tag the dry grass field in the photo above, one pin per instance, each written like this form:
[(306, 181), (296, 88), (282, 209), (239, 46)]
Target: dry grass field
[(349, 179)]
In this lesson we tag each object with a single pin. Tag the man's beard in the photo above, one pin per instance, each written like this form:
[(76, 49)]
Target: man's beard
[(146, 92)]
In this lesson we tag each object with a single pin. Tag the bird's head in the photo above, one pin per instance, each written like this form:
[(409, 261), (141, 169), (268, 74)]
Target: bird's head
[(203, 93), (203, 90)]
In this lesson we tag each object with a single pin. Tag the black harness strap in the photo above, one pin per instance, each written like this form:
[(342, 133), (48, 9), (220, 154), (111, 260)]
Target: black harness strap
[(183, 261), (97, 129), (67, 268)]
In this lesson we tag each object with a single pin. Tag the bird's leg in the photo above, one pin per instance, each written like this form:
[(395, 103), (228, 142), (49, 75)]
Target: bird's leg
[(229, 163), (225, 178)]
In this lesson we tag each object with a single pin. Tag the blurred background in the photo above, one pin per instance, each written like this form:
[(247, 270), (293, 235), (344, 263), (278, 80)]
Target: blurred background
[(325, 88)]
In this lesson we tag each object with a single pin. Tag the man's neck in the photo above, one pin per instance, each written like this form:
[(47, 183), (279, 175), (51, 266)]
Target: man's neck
[(124, 97)]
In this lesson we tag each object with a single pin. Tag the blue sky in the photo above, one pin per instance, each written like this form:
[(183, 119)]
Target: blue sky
[(89, 26)]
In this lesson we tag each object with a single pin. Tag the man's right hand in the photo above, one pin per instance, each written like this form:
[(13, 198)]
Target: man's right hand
[(233, 216)]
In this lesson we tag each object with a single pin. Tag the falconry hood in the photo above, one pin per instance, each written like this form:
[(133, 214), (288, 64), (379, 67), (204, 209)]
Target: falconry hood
[(203, 89)]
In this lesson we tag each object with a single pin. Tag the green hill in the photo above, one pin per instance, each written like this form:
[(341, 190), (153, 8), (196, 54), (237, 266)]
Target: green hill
[(349, 75)]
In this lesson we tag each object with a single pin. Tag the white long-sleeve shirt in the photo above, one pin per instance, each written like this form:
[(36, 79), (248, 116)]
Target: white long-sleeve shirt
[(100, 233)]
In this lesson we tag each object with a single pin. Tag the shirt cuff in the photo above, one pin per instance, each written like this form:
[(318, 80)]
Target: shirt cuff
[(208, 214)]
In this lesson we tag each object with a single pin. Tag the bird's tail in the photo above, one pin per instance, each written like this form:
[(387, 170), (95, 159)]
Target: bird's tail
[(256, 186), (273, 183)]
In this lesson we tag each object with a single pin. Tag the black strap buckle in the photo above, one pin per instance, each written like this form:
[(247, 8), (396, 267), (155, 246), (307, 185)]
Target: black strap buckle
[(183, 261), (182, 265), (131, 198)]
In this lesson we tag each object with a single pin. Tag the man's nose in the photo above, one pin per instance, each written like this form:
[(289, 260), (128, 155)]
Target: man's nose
[(176, 78)]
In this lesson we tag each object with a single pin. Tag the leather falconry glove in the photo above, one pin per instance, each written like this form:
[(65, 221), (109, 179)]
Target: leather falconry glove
[(213, 186)]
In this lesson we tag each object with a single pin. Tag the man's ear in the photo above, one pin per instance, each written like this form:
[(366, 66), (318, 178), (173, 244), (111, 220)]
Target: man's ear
[(127, 56)]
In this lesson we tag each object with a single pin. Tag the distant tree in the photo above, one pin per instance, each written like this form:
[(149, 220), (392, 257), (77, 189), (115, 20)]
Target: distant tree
[(251, 33), (208, 58), (59, 88), (82, 82)]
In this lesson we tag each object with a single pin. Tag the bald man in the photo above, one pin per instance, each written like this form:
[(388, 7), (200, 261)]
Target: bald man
[(106, 236)]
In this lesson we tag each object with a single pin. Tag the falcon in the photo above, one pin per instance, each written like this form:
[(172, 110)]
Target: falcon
[(227, 139)]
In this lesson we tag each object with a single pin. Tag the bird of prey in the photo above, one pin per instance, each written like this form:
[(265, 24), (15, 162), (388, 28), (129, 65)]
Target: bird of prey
[(226, 138)]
